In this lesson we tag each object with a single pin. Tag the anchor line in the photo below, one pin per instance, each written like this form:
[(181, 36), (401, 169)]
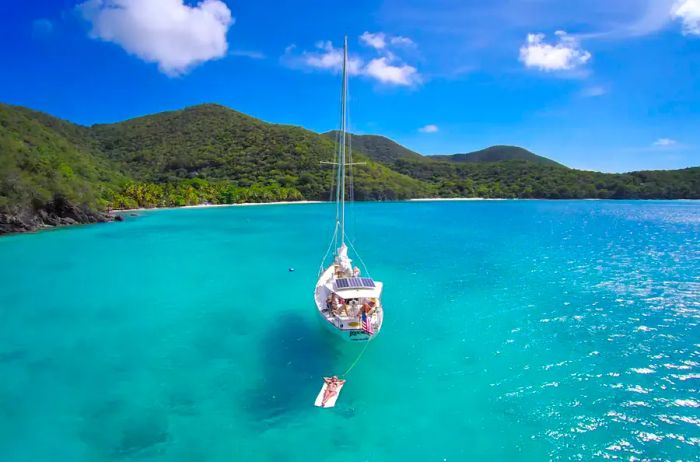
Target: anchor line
[(356, 360)]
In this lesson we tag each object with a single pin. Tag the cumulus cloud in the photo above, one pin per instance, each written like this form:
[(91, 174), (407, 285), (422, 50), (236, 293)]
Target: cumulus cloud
[(381, 41), (566, 54), (665, 142), (688, 12), (329, 58), (170, 33), (395, 74), (377, 40), (386, 68), (401, 41), (430, 128)]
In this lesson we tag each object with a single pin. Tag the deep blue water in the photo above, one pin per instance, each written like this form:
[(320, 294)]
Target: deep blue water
[(514, 330)]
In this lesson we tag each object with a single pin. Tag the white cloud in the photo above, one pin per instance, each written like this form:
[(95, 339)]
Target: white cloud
[(401, 41), (430, 128), (170, 33), (382, 70), (330, 58), (388, 68), (665, 142), (380, 40), (688, 11), (377, 40), (564, 55)]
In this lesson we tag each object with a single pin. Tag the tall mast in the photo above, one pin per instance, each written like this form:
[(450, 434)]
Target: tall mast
[(343, 134)]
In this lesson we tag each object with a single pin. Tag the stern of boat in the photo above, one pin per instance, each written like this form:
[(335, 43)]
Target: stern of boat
[(349, 328)]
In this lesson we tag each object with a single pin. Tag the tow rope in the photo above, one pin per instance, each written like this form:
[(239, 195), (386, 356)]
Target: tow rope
[(331, 387)]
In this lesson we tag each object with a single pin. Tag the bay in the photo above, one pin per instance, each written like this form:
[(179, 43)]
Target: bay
[(514, 330)]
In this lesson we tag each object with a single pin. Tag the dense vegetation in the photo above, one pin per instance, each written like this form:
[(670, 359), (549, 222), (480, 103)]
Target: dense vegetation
[(388, 152), (498, 154), (378, 148), (41, 158), (220, 145), (198, 191), (513, 172), (523, 179), (211, 154)]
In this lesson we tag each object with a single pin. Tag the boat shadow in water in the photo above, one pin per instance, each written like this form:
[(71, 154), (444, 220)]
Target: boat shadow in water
[(297, 354)]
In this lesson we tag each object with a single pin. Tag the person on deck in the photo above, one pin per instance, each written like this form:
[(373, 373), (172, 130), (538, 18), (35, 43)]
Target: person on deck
[(367, 308), (339, 306)]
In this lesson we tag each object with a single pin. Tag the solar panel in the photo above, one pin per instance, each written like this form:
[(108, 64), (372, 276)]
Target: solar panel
[(354, 283), (367, 282)]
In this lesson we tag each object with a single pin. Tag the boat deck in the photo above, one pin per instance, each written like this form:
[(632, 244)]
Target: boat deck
[(351, 322)]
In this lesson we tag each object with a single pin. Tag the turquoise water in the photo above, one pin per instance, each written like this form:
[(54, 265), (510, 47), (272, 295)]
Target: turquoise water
[(520, 330)]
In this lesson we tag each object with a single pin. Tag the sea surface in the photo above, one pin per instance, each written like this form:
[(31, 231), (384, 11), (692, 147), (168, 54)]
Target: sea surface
[(514, 330)]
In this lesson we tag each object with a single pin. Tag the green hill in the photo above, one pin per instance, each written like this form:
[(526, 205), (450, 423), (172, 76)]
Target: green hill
[(514, 172), (218, 145), (54, 172), (499, 154), (50, 172), (528, 180), (378, 148), (389, 152)]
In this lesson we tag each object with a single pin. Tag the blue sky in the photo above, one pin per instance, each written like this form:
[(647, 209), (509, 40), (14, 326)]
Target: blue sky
[(597, 84)]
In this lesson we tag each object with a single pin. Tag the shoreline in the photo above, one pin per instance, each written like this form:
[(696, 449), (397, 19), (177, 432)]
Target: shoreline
[(206, 206), (423, 199), (118, 214), (252, 204), (456, 199)]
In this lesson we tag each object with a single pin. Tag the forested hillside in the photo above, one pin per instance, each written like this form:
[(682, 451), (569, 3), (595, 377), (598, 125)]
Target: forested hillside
[(55, 172), (237, 155), (498, 154), (50, 172), (513, 172), (378, 148)]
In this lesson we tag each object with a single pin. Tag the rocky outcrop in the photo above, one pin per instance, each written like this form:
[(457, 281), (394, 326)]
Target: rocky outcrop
[(58, 212)]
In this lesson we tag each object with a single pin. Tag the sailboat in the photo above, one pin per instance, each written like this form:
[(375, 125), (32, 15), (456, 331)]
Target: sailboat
[(348, 302)]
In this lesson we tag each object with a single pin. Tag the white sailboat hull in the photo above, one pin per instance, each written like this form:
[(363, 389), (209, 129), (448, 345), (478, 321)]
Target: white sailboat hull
[(348, 305), (348, 328)]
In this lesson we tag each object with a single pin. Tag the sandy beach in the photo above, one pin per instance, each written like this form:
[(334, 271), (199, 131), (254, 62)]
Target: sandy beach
[(444, 199), (249, 204), (206, 206)]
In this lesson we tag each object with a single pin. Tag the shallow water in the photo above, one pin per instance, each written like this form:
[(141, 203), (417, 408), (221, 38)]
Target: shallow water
[(514, 330)]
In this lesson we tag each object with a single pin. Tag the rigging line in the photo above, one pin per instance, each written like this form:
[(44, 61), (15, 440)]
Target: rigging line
[(330, 198), (356, 359), (335, 190), (339, 141), (351, 176), (343, 136), (338, 180), (360, 257), (330, 246)]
